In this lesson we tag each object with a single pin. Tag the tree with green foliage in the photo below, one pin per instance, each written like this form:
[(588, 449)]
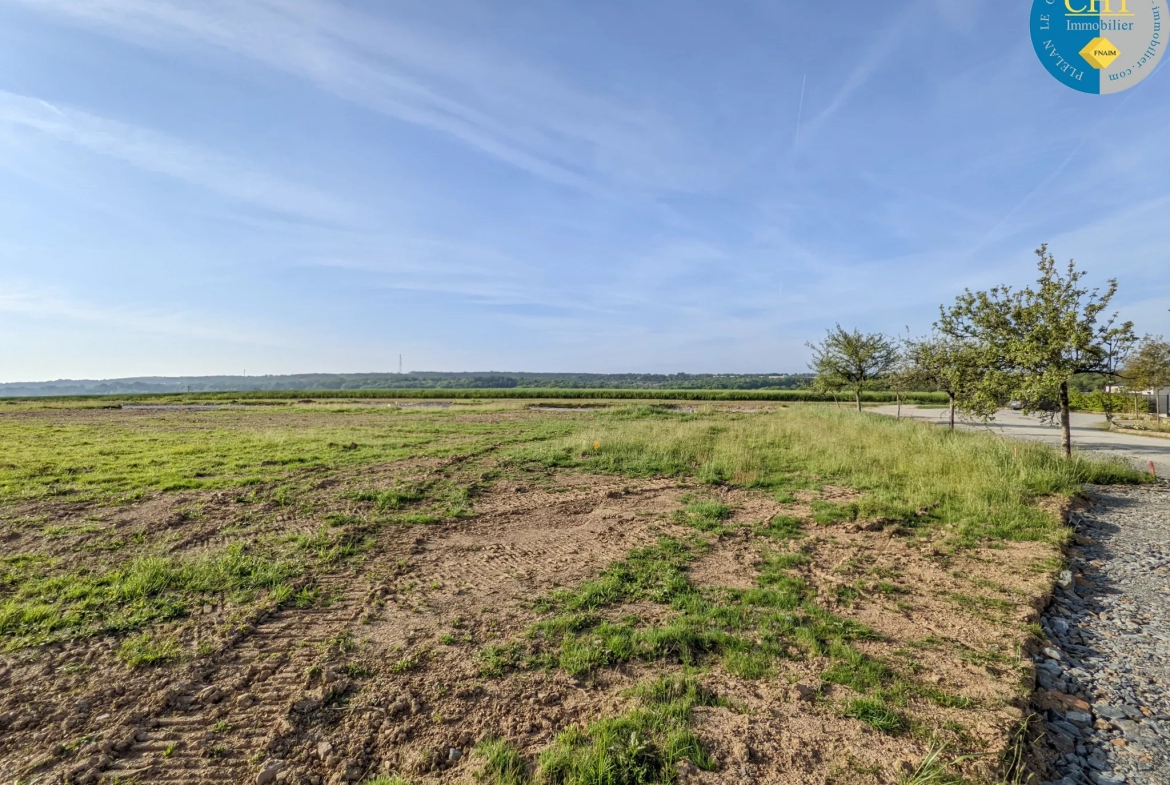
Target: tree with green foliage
[(1149, 368), (1031, 342), (952, 366), (852, 361)]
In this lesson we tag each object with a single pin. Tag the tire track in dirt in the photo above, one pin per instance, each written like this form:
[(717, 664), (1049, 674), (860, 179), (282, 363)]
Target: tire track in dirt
[(217, 729)]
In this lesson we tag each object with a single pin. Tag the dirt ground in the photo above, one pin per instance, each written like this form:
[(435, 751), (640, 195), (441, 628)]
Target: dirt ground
[(388, 677)]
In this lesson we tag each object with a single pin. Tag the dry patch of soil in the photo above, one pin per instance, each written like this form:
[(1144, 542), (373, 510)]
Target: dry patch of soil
[(389, 676)]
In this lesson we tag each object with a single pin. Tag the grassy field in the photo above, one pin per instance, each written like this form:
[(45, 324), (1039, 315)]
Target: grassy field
[(167, 540)]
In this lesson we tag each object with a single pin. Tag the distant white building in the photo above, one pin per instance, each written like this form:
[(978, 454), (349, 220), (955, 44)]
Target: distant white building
[(1160, 401)]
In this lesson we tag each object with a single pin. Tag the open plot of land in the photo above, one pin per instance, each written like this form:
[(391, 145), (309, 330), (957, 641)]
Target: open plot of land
[(632, 594)]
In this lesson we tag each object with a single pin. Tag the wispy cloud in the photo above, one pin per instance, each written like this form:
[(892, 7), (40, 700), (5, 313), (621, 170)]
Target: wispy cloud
[(25, 301), (517, 114), (884, 44), (154, 152)]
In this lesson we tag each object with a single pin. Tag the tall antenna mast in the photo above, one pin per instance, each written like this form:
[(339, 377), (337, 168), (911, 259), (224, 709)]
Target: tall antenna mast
[(400, 365)]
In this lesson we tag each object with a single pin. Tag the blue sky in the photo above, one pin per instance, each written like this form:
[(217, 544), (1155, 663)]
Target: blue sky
[(278, 186)]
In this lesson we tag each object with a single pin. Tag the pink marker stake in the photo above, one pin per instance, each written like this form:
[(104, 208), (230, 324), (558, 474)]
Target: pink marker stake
[(1152, 470)]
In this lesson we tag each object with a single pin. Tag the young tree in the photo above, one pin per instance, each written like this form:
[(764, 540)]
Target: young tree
[(1149, 367), (954, 367), (1033, 341), (902, 378), (852, 360)]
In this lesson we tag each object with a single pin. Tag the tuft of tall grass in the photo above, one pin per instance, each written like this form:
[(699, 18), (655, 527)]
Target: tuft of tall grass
[(148, 649), (503, 764), (878, 714)]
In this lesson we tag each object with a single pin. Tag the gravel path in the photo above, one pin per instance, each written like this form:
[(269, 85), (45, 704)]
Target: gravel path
[(1104, 684)]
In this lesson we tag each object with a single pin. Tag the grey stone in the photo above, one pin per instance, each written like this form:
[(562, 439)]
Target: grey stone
[(1050, 682), (1068, 729), (268, 773), (1126, 726)]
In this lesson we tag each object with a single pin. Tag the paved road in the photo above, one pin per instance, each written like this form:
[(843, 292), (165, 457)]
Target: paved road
[(1087, 434)]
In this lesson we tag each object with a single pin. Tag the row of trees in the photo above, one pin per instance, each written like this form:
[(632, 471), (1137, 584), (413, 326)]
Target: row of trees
[(1003, 345)]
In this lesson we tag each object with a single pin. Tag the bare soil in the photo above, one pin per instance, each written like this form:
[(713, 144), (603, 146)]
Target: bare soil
[(387, 677)]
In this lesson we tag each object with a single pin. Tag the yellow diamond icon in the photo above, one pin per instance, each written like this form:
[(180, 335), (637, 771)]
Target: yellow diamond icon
[(1100, 53)]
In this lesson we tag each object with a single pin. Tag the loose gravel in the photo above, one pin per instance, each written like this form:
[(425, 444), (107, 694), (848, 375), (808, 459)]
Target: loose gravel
[(1104, 682)]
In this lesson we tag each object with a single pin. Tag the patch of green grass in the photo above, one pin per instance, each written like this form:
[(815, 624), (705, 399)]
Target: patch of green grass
[(333, 546), (828, 513), (776, 562), (945, 699), (878, 714), (783, 527), (395, 498), (655, 573), (641, 747), (387, 780), (307, 597), (857, 671), (43, 606), (499, 659), (748, 664), (503, 764), (746, 628), (148, 649), (706, 515), (122, 455), (887, 588)]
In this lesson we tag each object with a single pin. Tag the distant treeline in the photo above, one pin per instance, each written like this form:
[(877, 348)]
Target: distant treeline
[(490, 380), (261, 396)]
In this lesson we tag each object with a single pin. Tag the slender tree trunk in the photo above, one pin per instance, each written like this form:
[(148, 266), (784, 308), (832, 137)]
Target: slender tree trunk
[(899, 405), (1065, 420), (951, 395), (857, 392)]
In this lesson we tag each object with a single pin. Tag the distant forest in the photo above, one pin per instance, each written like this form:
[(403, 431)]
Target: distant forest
[(490, 380)]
